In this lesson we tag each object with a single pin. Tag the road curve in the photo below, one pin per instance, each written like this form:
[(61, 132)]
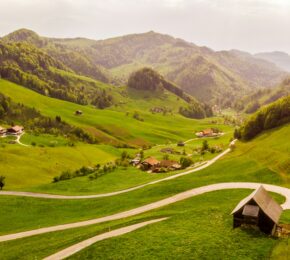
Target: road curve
[(55, 196), (178, 197), (88, 242)]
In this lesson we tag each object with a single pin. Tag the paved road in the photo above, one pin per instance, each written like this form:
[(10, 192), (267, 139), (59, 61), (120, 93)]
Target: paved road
[(52, 196), (86, 243), (178, 197)]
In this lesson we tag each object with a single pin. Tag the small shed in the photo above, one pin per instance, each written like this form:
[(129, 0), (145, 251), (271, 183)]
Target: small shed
[(180, 143), (258, 209), (78, 113)]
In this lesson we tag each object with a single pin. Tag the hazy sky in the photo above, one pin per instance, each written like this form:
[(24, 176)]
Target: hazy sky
[(251, 25)]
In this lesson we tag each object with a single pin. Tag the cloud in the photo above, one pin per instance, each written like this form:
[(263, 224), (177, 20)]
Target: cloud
[(253, 25)]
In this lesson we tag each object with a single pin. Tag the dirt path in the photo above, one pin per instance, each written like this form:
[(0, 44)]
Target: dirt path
[(178, 197), (86, 243), (18, 140), (52, 196)]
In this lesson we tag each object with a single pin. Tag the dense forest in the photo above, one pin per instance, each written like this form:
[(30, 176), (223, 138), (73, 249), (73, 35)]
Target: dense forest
[(273, 115), (12, 114)]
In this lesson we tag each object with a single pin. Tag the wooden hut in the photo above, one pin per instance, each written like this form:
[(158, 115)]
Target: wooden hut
[(258, 209), (78, 113)]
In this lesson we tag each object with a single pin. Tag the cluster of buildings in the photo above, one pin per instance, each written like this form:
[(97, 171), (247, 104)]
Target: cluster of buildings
[(13, 130), (153, 165)]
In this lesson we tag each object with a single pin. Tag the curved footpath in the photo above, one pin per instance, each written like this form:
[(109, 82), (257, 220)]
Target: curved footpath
[(54, 196), (161, 203), (88, 242)]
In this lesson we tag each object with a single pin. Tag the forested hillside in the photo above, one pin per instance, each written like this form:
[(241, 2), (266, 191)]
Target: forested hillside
[(149, 80), (218, 78), (76, 60), (251, 103), (273, 115)]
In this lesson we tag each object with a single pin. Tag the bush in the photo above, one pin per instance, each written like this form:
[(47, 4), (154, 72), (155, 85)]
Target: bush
[(185, 162)]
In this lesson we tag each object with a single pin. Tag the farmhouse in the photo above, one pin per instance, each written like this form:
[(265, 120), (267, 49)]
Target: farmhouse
[(206, 133), (258, 209), (2, 131), (149, 163), (166, 165), (15, 130)]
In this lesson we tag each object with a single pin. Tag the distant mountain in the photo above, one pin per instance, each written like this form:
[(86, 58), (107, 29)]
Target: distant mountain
[(77, 61), (213, 77), (281, 59), (216, 77)]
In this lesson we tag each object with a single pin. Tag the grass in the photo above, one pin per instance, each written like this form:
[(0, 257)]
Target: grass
[(45, 140), (114, 125), (122, 178), (200, 227), (197, 228), (241, 165), (31, 166), (42, 212)]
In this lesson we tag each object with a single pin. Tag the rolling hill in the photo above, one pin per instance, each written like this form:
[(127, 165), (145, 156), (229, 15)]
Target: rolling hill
[(118, 125), (212, 77)]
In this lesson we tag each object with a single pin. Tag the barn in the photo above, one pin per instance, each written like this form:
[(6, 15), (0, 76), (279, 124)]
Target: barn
[(258, 209)]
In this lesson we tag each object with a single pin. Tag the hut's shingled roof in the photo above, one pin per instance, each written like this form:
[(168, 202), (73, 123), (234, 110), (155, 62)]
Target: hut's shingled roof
[(267, 204)]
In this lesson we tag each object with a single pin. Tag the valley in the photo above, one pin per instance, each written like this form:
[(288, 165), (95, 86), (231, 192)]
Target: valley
[(121, 133)]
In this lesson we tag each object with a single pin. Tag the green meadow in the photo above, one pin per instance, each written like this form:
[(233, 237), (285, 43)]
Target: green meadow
[(240, 165), (112, 125), (197, 228)]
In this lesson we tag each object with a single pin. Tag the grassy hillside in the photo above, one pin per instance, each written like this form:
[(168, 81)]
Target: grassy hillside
[(116, 125), (195, 225)]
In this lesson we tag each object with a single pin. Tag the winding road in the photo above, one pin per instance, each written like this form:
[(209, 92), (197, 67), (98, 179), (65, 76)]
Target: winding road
[(161, 203), (54, 196), (86, 243)]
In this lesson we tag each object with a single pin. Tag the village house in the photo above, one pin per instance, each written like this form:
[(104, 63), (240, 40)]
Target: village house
[(15, 130), (207, 133), (166, 165), (259, 209), (2, 131), (149, 163)]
